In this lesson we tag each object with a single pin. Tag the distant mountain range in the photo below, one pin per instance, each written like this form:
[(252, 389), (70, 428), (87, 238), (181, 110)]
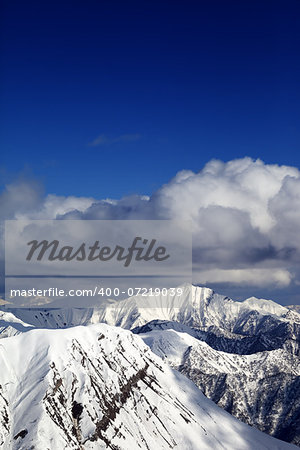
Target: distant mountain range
[(242, 355), (294, 308)]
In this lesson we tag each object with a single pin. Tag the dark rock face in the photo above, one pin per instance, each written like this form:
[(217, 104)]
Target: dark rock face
[(240, 341), (256, 378), (5, 419), (268, 401)]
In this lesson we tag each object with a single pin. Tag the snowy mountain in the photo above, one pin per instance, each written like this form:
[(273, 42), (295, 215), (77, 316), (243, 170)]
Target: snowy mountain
[(242, 355), (294, 308), (261, 389), (101, 387), (10, 325), (238, 327)]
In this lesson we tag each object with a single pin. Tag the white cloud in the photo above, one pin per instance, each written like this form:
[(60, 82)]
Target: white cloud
[(242, 184), (21, 197), (244, 215), (247, 277), (54, 206)]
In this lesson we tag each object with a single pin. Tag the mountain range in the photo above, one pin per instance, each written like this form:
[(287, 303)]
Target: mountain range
[(244, 356)]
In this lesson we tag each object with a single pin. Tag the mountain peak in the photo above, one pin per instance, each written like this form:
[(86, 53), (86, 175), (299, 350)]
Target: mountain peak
[(102, 386)]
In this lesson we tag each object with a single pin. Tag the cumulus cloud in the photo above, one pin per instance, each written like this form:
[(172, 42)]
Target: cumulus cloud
[(244, 216), (21, 197), (103, 139), (250, 277)]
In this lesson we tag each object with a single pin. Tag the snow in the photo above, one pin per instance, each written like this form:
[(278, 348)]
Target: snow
[(56, 363), (11, 325), (198, 307), (260, 389), (129, 397)]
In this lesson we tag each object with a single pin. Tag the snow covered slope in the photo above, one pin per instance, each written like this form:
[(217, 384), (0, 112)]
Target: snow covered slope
[(197, 307), (261, 389), (10, 325), (99, 387), (294, 308), (240, 327)]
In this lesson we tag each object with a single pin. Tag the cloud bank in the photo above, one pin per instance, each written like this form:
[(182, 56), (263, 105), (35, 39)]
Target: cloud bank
[(244, 215)]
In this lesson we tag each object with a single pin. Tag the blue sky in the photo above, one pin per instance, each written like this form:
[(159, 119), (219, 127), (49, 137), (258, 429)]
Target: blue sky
[(105, 98)]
